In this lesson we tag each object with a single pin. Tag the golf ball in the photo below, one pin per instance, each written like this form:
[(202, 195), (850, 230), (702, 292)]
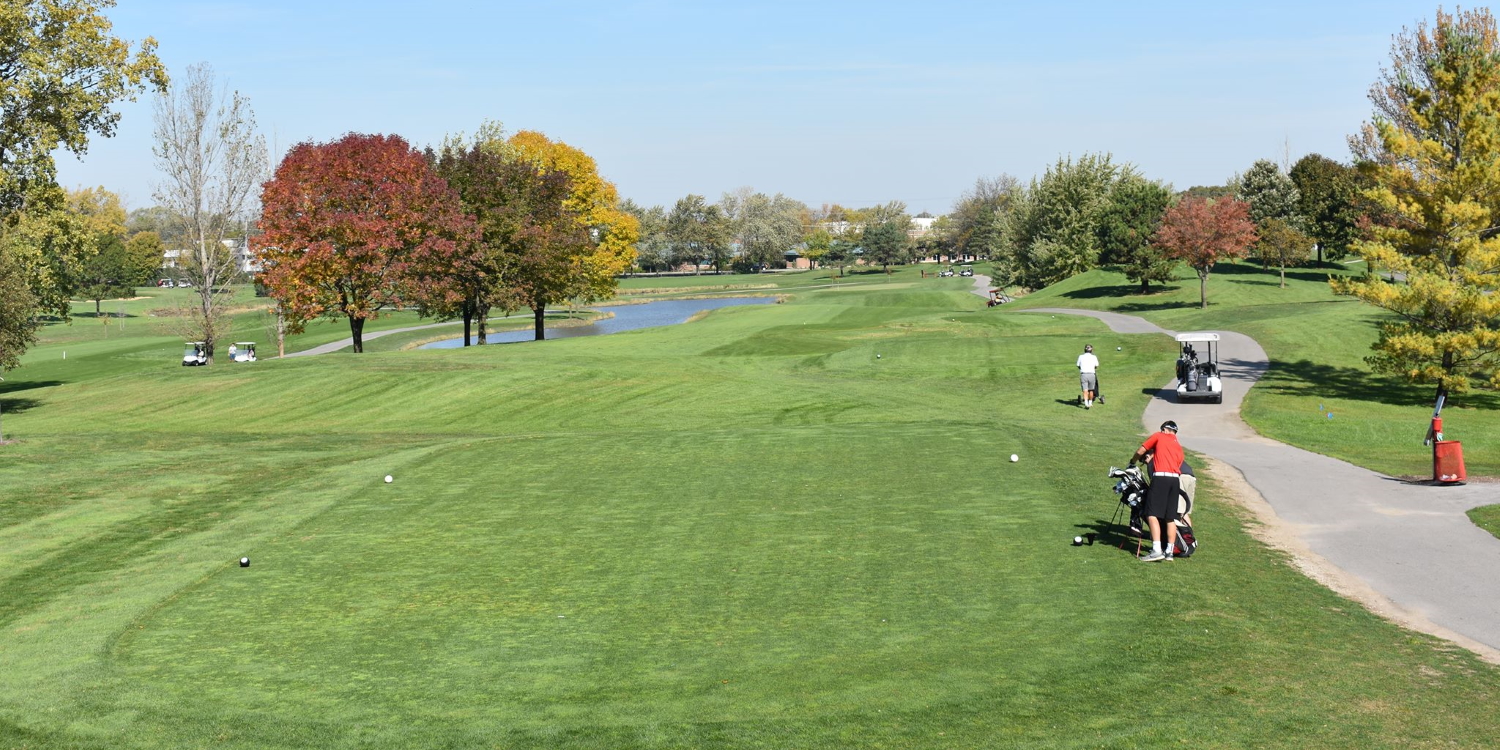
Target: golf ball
[(1118, 348), (389, 479), (1014, 458), (1078, 540), (244, 562)]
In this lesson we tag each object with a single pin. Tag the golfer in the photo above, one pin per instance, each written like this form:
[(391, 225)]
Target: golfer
[(1088, 378), (1161, 498)]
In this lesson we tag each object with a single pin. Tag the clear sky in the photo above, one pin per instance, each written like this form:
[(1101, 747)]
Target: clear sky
[(852, 103)]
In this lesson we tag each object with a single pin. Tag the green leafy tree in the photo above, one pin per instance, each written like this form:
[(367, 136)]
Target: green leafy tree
[(1126, 223), (817, 245), (1434, 160), (1282, 244), (766, 226), (1269, 193), (1329, 202), (653, 250), (1054, 232), (698, 233), (61, 75), (979, 217), (18, 306), (886, 242)]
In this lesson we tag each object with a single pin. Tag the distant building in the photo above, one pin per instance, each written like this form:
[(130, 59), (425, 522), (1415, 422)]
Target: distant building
[(245, 261)]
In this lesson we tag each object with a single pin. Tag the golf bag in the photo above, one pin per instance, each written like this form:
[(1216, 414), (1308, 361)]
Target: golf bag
[(1131, 486)]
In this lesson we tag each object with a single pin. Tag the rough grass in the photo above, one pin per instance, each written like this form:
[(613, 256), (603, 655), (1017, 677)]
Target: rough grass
[(748, 531)]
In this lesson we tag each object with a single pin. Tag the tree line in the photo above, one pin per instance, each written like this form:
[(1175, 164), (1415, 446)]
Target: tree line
[(497, 222)]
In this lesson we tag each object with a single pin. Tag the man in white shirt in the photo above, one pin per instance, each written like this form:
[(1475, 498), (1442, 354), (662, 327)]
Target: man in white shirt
[(1088, 379)]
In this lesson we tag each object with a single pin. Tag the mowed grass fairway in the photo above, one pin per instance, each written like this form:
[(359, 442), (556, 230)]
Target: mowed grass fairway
[(747, 531)]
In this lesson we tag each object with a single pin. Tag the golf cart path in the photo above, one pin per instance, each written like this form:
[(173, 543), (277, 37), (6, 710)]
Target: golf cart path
[(1411, 544)]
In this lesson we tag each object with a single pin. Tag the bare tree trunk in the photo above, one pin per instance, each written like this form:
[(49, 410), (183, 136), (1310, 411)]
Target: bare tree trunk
[(357, 331), (1283, 275), (1203, 289), (539, 321), (468, 320), (212, 163), (280, 331)]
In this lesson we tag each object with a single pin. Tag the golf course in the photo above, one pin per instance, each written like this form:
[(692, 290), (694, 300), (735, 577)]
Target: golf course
[(776, 526)]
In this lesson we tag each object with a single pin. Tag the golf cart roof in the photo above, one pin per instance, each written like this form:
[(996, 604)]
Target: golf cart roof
[(1186, 338), (244, 343), (194, 343)]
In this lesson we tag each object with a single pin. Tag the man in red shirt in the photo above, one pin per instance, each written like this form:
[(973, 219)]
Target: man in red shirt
[(1161, 499)]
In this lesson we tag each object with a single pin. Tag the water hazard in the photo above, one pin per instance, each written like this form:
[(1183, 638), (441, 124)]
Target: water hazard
[(627, 318)]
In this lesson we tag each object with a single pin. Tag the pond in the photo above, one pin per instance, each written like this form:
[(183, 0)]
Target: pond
[(665, 312)]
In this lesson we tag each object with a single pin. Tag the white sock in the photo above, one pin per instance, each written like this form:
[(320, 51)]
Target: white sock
[(1156, 547)]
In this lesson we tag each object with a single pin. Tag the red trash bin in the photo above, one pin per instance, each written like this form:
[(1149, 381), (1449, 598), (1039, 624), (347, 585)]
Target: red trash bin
[(1448, 461)]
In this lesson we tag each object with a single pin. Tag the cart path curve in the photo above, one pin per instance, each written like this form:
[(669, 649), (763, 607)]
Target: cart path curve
[(1410, 544)]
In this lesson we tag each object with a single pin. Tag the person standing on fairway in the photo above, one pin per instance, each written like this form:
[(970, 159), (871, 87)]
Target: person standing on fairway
[(1161, 499), (1088, 378)]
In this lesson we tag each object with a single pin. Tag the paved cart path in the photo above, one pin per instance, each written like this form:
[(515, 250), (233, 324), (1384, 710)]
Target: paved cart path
[(1410, 543)]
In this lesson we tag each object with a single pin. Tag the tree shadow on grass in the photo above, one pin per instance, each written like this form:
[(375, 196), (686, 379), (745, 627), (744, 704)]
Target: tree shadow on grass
[(26, 385), (1131, 292), (1308, 378), (14, 405), (1271, 274), (104, 314), (17, 405)]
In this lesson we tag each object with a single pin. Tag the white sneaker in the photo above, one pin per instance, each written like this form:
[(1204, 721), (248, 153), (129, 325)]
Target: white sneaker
[(1155, 557)]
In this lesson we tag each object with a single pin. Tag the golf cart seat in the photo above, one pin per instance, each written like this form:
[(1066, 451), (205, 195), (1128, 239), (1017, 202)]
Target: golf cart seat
[(1198, 377)]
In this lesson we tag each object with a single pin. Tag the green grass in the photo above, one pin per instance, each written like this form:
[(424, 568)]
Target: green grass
[(1317, 343), (748, 531), (1487, 518)]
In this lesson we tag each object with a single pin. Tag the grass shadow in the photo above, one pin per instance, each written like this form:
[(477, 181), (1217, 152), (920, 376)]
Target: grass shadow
[(10, 406), (1117, 290), (1308, 378), (26, 385)]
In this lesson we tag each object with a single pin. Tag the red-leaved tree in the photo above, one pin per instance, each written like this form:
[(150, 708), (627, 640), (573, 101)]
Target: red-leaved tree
[(356, 226), (1202, 232)]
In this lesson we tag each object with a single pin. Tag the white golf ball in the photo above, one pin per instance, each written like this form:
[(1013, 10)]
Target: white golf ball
[(1014, 458), (389, 479), (1118, 348), (1078, 540)]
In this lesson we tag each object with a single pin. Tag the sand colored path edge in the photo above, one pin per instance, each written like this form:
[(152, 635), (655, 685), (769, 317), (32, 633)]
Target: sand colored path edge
[(1406, 552)]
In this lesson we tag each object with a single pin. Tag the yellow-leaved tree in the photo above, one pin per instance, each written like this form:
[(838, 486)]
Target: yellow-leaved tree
[(597, 204), (1434, 157)]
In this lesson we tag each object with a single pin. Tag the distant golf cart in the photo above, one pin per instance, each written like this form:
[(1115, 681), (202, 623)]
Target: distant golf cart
[(945, 274), (998, 297), (1198, 368), (195, 355), (242, 351), (966, 272)]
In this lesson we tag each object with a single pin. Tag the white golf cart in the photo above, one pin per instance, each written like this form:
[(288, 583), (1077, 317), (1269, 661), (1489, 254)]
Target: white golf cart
[(967, 271), (1198, 368), (242, 351), (195, 355)]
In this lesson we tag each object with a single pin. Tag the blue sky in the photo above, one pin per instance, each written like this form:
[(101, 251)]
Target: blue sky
[(853, 103)]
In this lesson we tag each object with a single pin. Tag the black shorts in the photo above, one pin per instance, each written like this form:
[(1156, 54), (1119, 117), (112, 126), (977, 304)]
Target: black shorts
[(1161, 499)]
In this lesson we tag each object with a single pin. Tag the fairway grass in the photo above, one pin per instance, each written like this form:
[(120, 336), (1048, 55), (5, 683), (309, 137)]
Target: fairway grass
[(746, 531)]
